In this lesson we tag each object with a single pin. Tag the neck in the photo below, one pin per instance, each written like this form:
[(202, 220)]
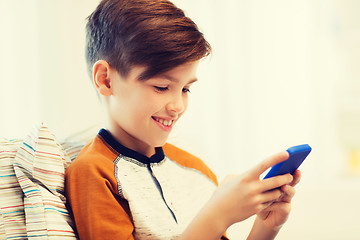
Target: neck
[(130, 142)]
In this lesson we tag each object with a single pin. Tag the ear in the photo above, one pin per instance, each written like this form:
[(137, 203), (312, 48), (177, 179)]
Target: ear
[(101, 76)]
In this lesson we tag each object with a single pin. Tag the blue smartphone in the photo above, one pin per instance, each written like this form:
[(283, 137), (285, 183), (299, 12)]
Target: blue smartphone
[(297, 155)]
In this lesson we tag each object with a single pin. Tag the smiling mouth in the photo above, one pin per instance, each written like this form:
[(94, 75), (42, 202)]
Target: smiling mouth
[(167, 123)]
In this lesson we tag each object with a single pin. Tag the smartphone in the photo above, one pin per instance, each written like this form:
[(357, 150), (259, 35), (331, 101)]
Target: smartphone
[(297, 155)]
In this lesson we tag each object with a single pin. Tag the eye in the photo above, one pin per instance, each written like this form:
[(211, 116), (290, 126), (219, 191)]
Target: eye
[(186, 90), (161, 89)]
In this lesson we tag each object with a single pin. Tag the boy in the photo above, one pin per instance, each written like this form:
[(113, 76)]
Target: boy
[(127, 183)]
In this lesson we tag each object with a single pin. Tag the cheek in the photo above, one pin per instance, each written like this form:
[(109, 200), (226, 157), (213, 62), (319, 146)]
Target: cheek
[(186, 102), (150, 102), (143, 107)]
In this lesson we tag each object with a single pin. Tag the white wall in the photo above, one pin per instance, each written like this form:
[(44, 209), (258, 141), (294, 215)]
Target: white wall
[(282, 73), (19, 61), (273, 81), (43, 68)]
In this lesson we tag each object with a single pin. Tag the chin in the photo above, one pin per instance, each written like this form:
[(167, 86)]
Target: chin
[(159, 143)]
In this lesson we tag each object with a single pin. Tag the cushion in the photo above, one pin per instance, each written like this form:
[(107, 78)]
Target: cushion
[(39, 165), (12, 215)]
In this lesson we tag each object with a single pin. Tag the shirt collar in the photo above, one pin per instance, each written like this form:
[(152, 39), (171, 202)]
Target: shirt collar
[(113, 143)]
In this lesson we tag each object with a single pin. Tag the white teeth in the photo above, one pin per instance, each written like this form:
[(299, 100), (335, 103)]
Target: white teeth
[(164, 122)]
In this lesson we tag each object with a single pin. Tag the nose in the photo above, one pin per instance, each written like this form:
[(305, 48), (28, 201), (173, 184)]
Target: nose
[(177, 104)]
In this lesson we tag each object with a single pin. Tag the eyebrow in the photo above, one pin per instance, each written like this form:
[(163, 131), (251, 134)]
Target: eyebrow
[(168, 77)]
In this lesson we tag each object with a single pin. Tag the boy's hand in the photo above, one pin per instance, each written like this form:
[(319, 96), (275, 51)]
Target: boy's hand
[(275, 215), (239, 197)]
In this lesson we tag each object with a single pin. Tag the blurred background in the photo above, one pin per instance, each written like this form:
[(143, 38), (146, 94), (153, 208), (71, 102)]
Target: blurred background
[(282, 73)]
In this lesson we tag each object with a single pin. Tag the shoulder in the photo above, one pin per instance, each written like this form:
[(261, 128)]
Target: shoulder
[(188, 160), (94, 159)]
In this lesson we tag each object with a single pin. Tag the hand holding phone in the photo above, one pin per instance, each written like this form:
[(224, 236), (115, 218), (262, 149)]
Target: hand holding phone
[(297, 155)]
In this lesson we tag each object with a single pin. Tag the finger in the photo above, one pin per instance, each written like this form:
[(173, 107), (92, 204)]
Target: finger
[(276, 182), (265, 206), (297, 177), (263, 166), (270, 196), (288, 193), (280, 207)]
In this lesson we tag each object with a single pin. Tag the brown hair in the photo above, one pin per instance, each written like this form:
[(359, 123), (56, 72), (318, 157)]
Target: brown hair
[(151, 33)]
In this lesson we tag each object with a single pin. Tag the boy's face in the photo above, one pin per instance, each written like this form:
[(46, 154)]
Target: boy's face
[(143, 113)]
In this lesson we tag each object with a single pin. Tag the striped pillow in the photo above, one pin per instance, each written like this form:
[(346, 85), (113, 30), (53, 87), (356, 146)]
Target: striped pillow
[(12, 215), (40, 165)]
